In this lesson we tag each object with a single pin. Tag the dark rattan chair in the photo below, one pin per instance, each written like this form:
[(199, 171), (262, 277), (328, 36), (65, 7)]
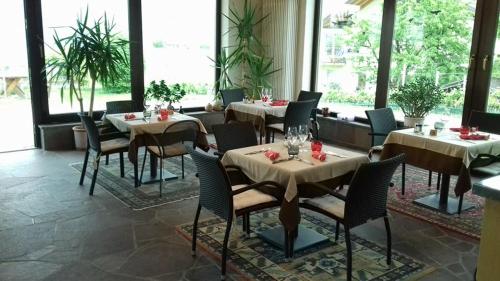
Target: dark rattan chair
[(297, 113), (218, 196), (382, 122), (114, 107), (232, 95), (171, 144), (99, 145), (485, 164), (234, 135), (366, 200), (316, 96)]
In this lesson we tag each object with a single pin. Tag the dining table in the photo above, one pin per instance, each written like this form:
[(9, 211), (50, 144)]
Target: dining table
[(258, 113), (446, 153), (294, 175), (140, 128)]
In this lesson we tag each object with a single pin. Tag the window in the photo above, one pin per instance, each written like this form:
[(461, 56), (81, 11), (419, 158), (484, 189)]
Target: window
[(348, 58), (178, 42), (432, 38), (494, 94), (55, 20)]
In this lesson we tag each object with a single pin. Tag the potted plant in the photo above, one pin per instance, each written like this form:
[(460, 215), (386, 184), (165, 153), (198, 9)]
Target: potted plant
[(161, 92), (417, 98), (92, 53)]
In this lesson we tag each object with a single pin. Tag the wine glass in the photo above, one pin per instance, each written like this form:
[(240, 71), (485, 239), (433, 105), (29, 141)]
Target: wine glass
[(146, 113), (303, 133)]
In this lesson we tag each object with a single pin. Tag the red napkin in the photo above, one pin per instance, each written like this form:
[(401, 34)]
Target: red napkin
[(163, 111), (316, 145), (474, 137), (129, 116), (273, 155), (279, 103), (321, 156), (163, 117)]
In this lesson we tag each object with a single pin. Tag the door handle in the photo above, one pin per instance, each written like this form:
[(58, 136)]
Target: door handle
[(472, 60), (485, 62)]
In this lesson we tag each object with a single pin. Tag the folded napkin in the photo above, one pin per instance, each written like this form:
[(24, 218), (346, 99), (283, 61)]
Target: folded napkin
[(321, 156), (163, 117), (163, 111), (129, 116), (474, 137), (279, 102), (273, 155)]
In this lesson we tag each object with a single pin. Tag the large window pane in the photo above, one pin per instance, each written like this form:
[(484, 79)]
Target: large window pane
[(432, 38), (16, 122), (494, 97), (56, 20), (348, 59), (179, 39)]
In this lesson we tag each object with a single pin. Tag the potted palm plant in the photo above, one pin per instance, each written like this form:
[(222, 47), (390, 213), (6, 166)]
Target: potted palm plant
[(416, 99), (93, 53)]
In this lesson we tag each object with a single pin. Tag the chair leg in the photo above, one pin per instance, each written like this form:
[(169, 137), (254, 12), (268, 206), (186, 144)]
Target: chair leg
[(389, 240), (337, 230), (273, 138), (403, 177), (248, 223), (107, 160), (260, 138), (161, 175), (430, 178), (195, 230), (224, 248), (84, 168), (94, 177), (460, 202), (182, 164), (287, 243), (438, 181), (244, 224), (143, 164), (122, 168), (349, 253)]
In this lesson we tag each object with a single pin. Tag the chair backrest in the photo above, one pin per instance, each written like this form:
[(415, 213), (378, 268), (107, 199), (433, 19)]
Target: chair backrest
[(298, 113), (234, 135), (307, 95), (121, 106), (367, 195), (179, 132), (92, 133), (487, 122), (381, 121), (232, 95), (215, 189)]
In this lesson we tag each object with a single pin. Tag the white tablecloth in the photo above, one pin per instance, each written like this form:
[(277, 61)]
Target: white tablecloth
[(258, 109)]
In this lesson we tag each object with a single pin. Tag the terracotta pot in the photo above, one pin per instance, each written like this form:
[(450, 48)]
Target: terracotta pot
[(80, 135)]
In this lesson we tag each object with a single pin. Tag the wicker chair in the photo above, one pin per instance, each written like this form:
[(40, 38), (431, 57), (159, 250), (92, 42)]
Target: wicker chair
[(316, 96), (171, 144), (382, 122), (485, 164), (218, 196), (114, 107), (297, 113), (234, 135), (232, 95), (366, 200), (101, 144)]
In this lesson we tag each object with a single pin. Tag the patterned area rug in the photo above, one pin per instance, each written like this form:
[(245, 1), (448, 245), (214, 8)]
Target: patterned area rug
[(146, 195), (467, 223), (257, 260)]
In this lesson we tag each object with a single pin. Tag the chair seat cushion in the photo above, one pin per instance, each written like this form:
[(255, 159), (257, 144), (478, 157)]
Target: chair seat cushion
[(249, 198), (328, 203), (377, 148), (114, 144), (492, 169), (277, 126), (173, 150)]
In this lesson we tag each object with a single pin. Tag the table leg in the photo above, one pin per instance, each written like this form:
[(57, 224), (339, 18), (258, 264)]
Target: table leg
[(153, 162), (136, 174), (442, 202)]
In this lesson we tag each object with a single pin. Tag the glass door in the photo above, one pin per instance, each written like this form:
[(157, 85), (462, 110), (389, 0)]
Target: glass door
[(16, 120), (493, 104)]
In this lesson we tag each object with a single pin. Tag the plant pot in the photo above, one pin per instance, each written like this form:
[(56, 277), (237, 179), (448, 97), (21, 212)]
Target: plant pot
[(80, 135), (411, 121)]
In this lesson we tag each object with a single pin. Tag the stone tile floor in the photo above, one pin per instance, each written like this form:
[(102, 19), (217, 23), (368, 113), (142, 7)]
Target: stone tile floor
[(50, 229)]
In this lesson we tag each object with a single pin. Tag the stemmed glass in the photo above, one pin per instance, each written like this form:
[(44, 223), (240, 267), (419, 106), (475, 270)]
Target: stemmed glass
[(303, 133)]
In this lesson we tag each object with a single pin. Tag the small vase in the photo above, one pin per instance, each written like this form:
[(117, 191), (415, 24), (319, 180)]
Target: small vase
[(411, 121), (170, 106)]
